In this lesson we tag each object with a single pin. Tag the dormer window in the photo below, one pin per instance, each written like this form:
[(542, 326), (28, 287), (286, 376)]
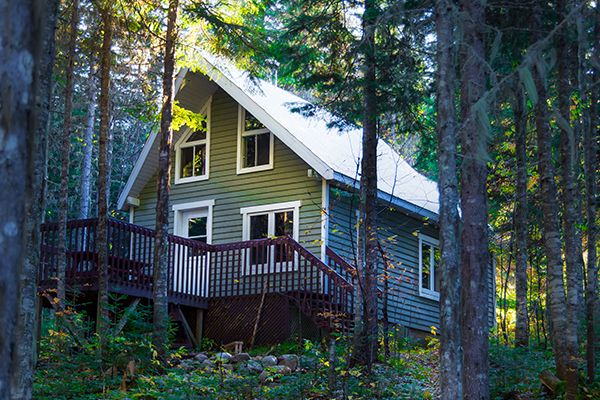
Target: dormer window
[(192, 152), (255, 144)]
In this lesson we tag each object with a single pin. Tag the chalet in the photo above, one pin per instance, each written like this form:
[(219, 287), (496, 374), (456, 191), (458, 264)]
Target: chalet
[(264, 219)]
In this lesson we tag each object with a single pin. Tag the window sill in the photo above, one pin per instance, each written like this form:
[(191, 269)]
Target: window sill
[(254, 169), (429, 294), (190, 179)]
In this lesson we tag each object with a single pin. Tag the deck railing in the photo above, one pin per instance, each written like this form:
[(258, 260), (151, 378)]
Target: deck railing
[(199, 271)]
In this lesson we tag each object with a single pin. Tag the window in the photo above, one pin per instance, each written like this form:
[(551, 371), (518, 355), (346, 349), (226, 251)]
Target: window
[(255, 144), (192, 152), (274, 220), (429, 262)]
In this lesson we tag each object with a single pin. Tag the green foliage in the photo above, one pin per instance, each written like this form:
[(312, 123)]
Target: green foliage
[(516, 370), (185, 117)]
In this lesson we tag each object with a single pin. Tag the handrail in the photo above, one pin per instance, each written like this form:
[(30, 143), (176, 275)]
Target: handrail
[(199, 271)]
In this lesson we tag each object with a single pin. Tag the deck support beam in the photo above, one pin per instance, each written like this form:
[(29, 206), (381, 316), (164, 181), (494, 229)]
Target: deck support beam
[(199, 326)]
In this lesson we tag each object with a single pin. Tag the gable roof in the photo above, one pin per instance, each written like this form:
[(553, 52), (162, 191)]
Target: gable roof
[(331, 153)]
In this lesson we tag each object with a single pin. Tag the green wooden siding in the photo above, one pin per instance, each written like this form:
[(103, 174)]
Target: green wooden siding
[(287, 181), (398, 234)]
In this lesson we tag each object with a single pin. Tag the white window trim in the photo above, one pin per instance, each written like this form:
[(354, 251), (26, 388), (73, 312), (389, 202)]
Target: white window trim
[(271, 209), (180, 209), (427, 293), (241, 133), (206, 110)]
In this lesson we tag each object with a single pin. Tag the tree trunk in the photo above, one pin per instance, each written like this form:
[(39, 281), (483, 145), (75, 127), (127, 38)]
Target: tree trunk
[(102, 233), (571, 205), (365, 351), (88, 143), (24, 352), (520, 115), (17, 138), (161, 260), (591, 175), (450, 306), (63, 199), (474, 239), (551, 222)]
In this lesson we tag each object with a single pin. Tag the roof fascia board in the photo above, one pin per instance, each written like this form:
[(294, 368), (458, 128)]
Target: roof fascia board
[(271, 123), (408, 207)]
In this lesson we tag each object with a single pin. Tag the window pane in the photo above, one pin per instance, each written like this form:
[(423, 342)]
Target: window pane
[(259, 226), (200, 160), (251, 123), (263, 146), (284, 223), (197, 227), (437, 275), (249, 151), (426, 259), (187, 157), (198, 135)]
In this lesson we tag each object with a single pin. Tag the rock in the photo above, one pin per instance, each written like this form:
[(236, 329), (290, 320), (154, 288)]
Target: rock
[(289, 360), (240, 357), (208, 364), (254, 366), (188, 365), (227, 367), (223, 357), (274, 372), (200, 357), (269, 361)]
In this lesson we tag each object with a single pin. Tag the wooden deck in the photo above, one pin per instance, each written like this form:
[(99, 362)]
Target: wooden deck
[(200, 272)]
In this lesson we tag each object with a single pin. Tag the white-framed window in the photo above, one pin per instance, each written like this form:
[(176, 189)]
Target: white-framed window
[(192, 152), (429, 267), (268, 221), (255, 144)]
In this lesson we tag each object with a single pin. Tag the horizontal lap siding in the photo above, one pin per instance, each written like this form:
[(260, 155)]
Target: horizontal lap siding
[(398, 234), (287, 181)]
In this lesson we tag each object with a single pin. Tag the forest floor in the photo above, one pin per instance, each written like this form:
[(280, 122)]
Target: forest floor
[(288, 371)]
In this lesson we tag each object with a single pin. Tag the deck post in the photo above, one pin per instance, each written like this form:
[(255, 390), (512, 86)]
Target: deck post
[(199, 327)]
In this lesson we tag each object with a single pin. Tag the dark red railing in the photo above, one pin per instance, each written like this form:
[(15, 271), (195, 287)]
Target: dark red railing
[(199, 271)]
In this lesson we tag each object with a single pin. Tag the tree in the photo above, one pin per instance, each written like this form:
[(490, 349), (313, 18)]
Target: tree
[(551, 225), (17, 136), (161, 259), (88, 140), (102, 319), (63, 203), (450, 319), (24, 350), (590, 145), (365, 349), (520, 223), (475, 258)]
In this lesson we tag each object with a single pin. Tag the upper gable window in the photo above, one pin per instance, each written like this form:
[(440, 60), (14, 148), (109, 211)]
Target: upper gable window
[(255, 144), (192, 152)]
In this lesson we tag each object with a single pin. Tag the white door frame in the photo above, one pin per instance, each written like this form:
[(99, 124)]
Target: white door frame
[(180, 228)]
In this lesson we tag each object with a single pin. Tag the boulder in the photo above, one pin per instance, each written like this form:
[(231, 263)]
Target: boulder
[(222, 357), (254, 366), (240, 357), (208, 363), (269, 361), (289, 360), (200, 357), (273, 373)]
